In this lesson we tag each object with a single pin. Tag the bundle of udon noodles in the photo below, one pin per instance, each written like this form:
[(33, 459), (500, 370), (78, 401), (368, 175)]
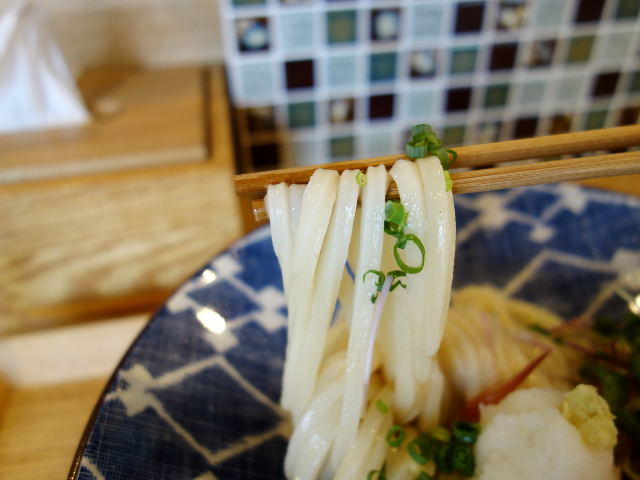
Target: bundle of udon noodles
[(341, 366)]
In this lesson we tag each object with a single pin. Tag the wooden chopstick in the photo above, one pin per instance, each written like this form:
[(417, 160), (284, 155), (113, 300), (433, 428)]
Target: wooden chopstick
[(470, 156), (524, 175), (488, 154)]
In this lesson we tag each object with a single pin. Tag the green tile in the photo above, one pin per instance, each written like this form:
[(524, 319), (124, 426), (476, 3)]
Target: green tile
[(496, 95), (241, 3), (595, 120), (634, 84), (342, 146), (463, 60), (532, 92), (453, 135), (302, 114), (341, 26), (580, 49), (382, 66), (303, 153), (627, 9)]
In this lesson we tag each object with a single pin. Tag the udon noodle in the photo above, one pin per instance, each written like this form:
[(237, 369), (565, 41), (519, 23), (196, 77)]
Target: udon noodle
[(428, 358)]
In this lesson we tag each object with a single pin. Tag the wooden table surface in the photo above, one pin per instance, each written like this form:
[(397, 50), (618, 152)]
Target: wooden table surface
[(99, 244)]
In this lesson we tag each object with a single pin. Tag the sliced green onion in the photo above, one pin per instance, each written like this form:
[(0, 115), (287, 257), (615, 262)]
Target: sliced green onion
[(379, 274), (466, 432), (421, 457), (397, 273), (614, 389), (443, 457), (395, 435), (432, 139), (634, 365), (381, 475), (454, 156), (424, 476), (392, 229), (395, 285), (630, 326), (605, 327), (421, 129), (627, 422), (361, 178), (416, 151), (394, 212), (401, 243), (381, 406), (448, 183), (462, 460), (441, 433), (442, 154)]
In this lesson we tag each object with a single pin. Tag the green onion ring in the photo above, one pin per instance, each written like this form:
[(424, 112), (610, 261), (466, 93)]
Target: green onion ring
[(378, 273), (392, 439), (417, 457), (400, 244)]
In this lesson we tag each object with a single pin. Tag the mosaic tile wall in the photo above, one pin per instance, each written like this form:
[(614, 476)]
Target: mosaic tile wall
[(315, 81)]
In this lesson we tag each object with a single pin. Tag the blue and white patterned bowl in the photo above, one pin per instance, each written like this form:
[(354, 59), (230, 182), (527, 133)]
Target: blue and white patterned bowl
[(196, 397)]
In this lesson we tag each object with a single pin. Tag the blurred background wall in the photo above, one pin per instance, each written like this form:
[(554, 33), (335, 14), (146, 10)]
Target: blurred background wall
[(150, 33)]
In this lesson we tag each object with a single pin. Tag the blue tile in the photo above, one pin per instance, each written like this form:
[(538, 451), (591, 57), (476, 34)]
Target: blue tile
[(464, 216), (225, 299), (550, 13), (213, 397), (263, 462), (612, 227), (427, 20), (260, 357), (474, 268), (532, 203), (140, 447), (297, 31), (260, 265), (166, 330), (563, 289), (341, 71), (614, 308), (420, 104), (256, 80)]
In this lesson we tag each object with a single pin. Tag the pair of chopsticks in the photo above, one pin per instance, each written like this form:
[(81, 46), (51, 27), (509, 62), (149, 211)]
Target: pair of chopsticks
[(495, 178)]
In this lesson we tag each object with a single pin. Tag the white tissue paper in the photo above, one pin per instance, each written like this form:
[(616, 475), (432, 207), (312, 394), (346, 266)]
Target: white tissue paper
[(37, 89)]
